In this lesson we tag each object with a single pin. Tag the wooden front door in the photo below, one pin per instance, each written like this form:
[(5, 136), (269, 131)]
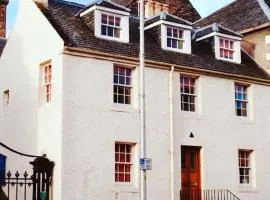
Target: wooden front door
[(190, 173)]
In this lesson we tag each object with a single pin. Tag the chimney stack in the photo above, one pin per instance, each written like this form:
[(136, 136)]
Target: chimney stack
[(3, 12)]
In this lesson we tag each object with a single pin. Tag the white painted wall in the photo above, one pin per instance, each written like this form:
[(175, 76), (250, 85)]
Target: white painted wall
[(91, 126), (24, 125)]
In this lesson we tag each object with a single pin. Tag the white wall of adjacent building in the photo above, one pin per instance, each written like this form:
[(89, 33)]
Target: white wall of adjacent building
[(25, 124), (92, 125)]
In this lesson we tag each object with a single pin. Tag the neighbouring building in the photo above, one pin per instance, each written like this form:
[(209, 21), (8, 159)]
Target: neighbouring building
[(252, 19), (69, 80)]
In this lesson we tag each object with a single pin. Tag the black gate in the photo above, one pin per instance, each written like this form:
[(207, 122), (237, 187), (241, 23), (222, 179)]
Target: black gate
[(28, 186)]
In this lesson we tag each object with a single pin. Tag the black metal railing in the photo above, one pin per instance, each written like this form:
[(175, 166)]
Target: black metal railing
[(208, 194), (16, 184)]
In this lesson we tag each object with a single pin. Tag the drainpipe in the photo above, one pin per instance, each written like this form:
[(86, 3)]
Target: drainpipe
[(171, 132), (143, 195)]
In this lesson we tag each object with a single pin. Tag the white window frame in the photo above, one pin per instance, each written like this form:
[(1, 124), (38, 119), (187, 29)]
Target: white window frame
[(243, 100), (124, 24), (114, 26), (190, 94), (125, 85), (125, 163), (46, 82), (236, 44), (245, 164), (176, 38), (186, 36), (230, 48)]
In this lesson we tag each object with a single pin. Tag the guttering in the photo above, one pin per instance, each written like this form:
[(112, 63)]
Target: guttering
[(171, 99), (81, 52)]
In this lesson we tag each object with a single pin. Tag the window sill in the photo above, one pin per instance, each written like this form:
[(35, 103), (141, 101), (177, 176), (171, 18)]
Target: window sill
[(245, 120), (247, 189), (126, 187), (176, 50), (123, 108), (190, 115), (112, 38)]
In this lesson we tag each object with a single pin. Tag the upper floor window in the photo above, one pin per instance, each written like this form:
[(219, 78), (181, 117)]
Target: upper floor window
[(110, 25), (188, 93), (241, 100), (123, 162), (244, 157), (175, 38), (46, 82), (122, 85), (226, 48)]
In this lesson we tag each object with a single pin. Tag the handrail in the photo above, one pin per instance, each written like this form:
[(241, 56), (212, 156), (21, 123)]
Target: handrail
[(207, 194), (20, 153)]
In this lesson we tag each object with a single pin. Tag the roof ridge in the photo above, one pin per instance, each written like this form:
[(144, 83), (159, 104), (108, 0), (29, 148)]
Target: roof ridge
[(222, 8), (69, 3), (265, 8)]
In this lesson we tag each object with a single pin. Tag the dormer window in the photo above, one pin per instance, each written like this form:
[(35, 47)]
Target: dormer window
[(107, 19), (226, 48), (110, 25), (226, 44), (175, 38)]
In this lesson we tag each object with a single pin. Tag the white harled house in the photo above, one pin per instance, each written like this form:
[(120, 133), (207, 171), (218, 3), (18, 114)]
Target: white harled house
[(70, 87)]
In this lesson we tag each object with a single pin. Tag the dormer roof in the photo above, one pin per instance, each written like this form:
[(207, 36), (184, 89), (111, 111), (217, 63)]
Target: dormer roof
[(104, 4), (79, 37), (167, 17), (240, 15), (214, 28)]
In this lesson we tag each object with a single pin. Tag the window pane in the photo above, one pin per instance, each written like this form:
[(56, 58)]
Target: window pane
[(110, 31), (169, 32), (174, 43), (111, 20), (104, 19), (117, 21), (103, 30), (180, 44), (117, 32), (175, 33), (169, 42)]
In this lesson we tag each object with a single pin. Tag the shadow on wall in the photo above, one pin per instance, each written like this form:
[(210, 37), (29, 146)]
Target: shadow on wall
[(2, 195)]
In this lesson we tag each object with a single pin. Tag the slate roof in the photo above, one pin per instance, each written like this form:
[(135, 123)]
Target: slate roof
[(167, 17), (214, 28), (239, 15), (75, 33), (2, 45)]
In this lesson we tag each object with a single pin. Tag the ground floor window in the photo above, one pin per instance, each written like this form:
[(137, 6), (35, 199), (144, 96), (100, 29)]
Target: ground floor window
[(123, 162), (244, 157)]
